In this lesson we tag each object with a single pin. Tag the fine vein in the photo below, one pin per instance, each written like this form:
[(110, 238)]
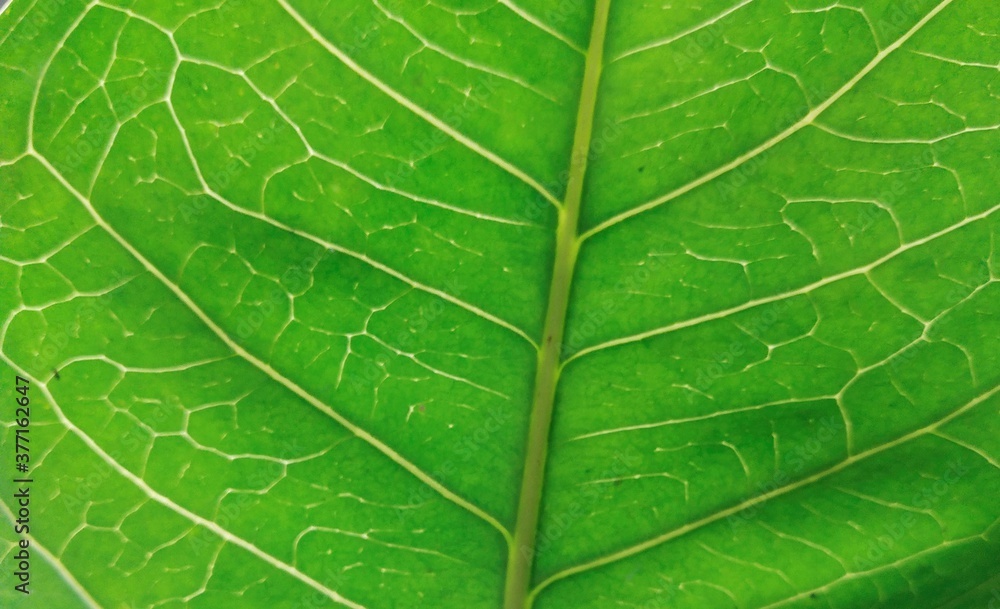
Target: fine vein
[(55, 562), (415, 108), (264, 366), (765, 497), (210, 525), (547, 373), (802, 123)]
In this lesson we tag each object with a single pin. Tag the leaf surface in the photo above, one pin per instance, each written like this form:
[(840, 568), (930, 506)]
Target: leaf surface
[(514, 304)]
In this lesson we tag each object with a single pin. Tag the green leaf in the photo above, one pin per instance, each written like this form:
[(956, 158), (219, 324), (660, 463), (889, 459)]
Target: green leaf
[(524, 303)]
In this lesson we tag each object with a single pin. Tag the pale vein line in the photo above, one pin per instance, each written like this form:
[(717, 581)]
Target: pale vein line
[(958, 62), (747, 563), (862, 574), (54, 562), (971, 448), (784, 295), (430, 45), (929, 141), (687, 32), (454, 377), (104, 359), (892, 505), (416, 109), (374, 264), (328, 245), (313, 152), (211, 525), (4, 5), (339, 248), (266, 368), (759, 499), (774, 141), (806, 542), (10, 28), (703, 417), (241, 74), (287, 228), (45, 68), (535, 21)]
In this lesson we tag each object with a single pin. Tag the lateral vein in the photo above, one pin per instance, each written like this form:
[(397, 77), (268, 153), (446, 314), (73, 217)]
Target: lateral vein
[(777, 139), (266, 368), (194, 518), (763, 498), (329, 245), (862, 270), (415, 108), (55, 563)]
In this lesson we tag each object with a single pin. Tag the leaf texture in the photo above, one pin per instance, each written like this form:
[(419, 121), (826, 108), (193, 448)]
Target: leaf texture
[(512, 303)]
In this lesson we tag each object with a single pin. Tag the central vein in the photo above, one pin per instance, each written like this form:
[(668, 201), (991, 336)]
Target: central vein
[(522, 551)]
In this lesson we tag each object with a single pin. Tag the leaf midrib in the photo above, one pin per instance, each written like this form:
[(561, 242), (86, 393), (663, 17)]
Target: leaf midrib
[(522, 550)]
